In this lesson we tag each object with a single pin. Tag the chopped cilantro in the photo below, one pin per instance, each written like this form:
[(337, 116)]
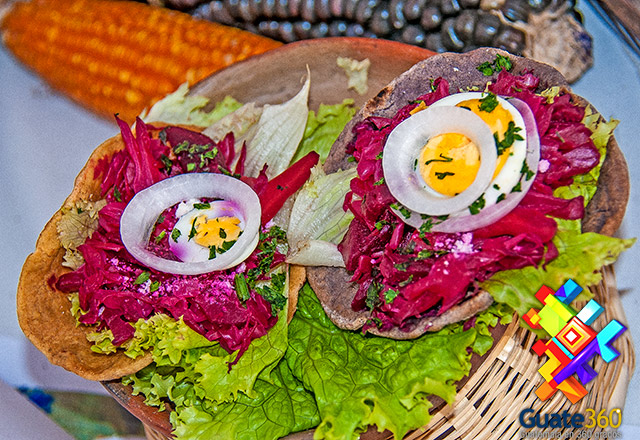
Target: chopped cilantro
[(193, 232), (518, 187), (425, 228), (424, 254), (441, 176), (488, 103), (212, 252), (379, 156), (379, 182), (273, 293), (116, 194), (175, 234), (142, 278), (160, 236), (488, 68), (442, 159), (496, 186), (155, 285), (168, 164), (351, 159), (191, 166), (223, 233), (510, 136), (182, 146), (242, 288), (373, 295), (202, 205), (501, 197), (390, 295), (476, 206), (528, 174)]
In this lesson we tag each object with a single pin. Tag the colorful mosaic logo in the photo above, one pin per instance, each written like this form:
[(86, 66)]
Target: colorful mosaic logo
[(573, 342)]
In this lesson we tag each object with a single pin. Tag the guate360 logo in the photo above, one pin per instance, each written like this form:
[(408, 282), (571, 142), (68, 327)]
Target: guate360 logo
[(573, 342)]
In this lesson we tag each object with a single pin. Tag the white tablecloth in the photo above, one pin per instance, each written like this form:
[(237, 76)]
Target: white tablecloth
[(45, 140)]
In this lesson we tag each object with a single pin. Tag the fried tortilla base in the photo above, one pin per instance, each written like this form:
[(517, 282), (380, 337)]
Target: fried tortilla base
[(44, 312), (603, 214)]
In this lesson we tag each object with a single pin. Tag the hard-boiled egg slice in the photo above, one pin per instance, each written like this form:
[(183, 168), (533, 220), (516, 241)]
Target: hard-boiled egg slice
[(411, 142), (207, 230), (235, 213), (504, 121)]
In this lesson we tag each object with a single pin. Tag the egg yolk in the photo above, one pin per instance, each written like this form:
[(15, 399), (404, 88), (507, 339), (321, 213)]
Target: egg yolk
[(497, 119), (215, 231), (449, 163)]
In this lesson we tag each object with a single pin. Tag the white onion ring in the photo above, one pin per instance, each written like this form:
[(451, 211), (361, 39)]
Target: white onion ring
[(141, 213), (404, 144), (464, 221)]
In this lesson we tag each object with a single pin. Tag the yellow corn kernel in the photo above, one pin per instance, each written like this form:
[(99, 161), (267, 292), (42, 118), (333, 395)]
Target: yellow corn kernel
[(120, 56)]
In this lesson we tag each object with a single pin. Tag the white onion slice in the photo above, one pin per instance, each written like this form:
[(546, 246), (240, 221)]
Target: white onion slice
[(141, 213), (405, 143), (465, 221)]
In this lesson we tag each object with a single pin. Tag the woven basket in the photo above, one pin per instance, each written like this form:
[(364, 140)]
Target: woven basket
[(489, 404)]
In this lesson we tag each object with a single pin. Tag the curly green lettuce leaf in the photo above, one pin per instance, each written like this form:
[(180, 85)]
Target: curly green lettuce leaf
[(586, 184), (360, 380), (581, 256), (323, 128), (280, 406), (180, 108), (187, 367)]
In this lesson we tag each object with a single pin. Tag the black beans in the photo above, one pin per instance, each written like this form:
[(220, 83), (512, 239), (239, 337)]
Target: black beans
[(440, 25), (486, 28)]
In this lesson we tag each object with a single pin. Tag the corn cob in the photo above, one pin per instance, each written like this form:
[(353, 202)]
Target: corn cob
[(523, 27), (120, 56)]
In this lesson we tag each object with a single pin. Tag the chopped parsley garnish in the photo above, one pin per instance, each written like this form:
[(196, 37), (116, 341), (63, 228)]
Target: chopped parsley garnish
[(403, 209), (226, 246), (212, 252), (242, 288), (424, 254), (390, 295), (442, 159), (160, 236), (142, 278), (175, 234), (518, 187), (380, 224), (223, 233), (351, 159), (191, 166), (425, 228), (379, 156), (501, 197), (202, 205), (496, 186), (273, 293), (488, 103), (510, 136), (528, 174), (193, 232), (168, 164), (379, 182), (441, 176), (501, 62), (116, 194), (476, 206), (155, 285), (373, 295)]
